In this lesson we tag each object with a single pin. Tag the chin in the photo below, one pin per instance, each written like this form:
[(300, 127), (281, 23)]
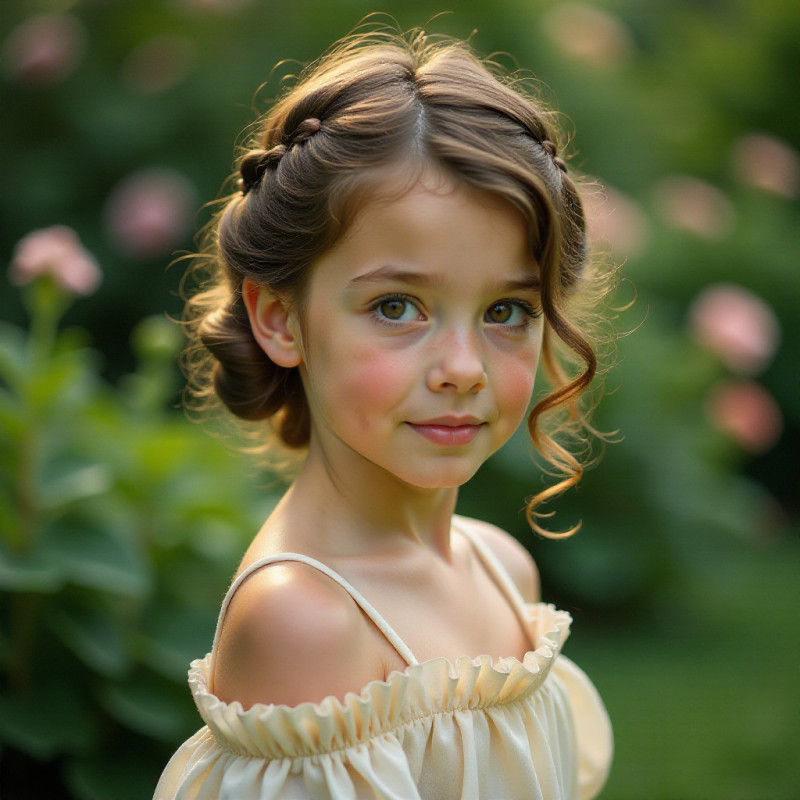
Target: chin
[(446, 479)]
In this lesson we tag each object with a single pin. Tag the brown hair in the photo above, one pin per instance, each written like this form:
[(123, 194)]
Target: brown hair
[(374, 101)]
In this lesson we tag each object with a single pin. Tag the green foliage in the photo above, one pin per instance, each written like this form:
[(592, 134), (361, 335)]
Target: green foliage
[(121, 525)]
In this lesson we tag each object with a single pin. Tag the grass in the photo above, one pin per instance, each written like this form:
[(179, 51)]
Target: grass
[(705, 703)]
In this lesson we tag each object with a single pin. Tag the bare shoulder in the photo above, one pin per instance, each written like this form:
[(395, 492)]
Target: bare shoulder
[(511, 554), (292, 635)]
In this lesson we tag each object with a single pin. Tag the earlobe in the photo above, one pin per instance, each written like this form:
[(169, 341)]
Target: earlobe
[(273, 324)]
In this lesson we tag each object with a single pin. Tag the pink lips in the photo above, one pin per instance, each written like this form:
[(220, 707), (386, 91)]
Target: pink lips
[(449, 431)]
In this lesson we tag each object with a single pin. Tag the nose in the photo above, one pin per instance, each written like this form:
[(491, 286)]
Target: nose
[(458, 365)]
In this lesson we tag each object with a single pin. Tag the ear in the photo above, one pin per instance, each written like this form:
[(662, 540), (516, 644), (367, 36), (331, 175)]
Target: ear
[(273, 323)]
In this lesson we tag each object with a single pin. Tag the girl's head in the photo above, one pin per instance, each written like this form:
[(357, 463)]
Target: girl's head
[(367, 121)]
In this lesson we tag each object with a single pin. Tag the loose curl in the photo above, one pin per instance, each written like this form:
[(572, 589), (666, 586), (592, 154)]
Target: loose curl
[(373, 102)]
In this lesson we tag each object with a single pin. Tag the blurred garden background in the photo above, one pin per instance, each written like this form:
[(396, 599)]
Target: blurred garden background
[(121, 521)]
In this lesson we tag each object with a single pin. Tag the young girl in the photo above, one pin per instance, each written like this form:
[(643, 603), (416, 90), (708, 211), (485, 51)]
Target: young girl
[(405, 245)]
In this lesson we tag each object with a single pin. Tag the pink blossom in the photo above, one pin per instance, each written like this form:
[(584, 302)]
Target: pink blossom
[(736, 325), (149, 213), (765, 162), (55, 251), (615, 218), (44, 49), (747, 412), (589, 34), (694, 205), (158, 64)]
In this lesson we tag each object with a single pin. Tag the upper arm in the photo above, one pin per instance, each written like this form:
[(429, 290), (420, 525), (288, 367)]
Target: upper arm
[(291, 635), (512, 555)]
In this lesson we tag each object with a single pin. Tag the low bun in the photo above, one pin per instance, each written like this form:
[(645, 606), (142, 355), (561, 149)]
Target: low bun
[(247, 382)]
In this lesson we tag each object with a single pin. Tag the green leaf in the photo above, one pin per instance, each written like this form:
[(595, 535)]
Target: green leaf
[(93, 637), (45, 722), (60, 386), (29, 572), (172, 638), (156, 339), (96, 557), (151, 706), (12, 421), (116, 775), (77, 484)]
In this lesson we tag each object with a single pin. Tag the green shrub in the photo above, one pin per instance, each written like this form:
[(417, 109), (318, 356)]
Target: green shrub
[(121, 524)]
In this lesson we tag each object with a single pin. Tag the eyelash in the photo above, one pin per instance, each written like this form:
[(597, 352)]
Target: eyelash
[(531, 312)]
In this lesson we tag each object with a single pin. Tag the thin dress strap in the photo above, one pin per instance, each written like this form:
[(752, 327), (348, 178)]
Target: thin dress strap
[(500, 576), (383, 626)]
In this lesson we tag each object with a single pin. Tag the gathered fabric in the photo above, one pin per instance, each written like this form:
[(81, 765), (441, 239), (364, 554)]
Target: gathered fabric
[(476, 729)]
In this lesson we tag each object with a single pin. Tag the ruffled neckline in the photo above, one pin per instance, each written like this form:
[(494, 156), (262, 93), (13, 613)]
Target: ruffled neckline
[(419, 691)]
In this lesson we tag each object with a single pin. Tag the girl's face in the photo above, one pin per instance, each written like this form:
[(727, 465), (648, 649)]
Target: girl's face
[(422, 333)]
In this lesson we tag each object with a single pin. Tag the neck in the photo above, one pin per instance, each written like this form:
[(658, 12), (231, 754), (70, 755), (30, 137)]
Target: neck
[(363, 510)]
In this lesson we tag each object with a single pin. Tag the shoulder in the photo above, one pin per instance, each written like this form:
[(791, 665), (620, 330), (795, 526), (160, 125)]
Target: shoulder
[(291, 635), (512, 555)]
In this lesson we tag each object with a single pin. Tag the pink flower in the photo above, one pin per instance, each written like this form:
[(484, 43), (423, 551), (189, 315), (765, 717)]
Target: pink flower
[(694, 205), (55, 251), (766, 162), (736, 325), (746, 412), (44, 49), (149, 213), (589, 34), (615, 218), (158, 64)]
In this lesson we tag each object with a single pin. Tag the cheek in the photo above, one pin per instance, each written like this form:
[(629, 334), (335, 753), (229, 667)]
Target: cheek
[(367, 381), (514, 386)]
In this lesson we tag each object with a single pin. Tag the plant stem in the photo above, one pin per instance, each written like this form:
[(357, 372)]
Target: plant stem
[(24, 607), (46, 305), (26, 492)]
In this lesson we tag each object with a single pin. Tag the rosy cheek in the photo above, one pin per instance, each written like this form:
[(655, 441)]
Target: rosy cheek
[(515, 386), (371, 383)]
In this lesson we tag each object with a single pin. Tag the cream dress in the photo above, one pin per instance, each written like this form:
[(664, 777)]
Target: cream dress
[(508, 730)]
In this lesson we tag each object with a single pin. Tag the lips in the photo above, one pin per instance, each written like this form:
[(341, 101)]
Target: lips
[(449, 431)]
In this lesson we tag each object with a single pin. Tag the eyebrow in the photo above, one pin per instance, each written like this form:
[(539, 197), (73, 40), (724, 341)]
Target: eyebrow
[(400, 275)]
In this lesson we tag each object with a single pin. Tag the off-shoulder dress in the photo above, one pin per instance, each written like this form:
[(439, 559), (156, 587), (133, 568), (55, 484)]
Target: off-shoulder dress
[(475, 730)]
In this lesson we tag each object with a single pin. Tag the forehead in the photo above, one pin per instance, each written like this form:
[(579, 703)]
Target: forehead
[(433, 224)]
